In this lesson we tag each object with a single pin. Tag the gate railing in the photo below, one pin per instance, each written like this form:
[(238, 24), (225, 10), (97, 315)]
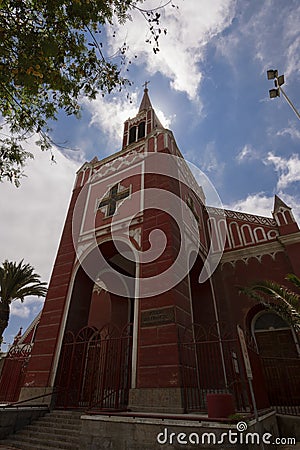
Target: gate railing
[(282, 375), (214, 364), (206, 375), (95, 368), (13, 372)]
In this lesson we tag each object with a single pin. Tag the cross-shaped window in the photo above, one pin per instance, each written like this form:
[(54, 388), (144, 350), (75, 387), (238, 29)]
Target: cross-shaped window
[(112, 199)]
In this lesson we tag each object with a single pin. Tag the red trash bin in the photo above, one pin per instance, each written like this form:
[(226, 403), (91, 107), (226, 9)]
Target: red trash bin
[(220, 406)]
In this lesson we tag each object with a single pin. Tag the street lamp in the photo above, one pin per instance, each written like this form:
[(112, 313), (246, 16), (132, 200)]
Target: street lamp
[(279, 81)]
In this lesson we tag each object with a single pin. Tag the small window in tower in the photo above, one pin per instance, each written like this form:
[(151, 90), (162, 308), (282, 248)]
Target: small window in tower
[(141, 131), (132, 135)]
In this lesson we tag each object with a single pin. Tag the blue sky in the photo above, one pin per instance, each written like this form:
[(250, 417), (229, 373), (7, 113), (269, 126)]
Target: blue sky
[(208, 85)]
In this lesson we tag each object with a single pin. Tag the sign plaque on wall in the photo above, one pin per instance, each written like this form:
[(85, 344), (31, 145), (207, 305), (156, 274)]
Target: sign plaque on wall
[(155, 317)]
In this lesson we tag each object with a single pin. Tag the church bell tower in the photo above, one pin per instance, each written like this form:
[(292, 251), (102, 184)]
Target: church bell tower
[(117, 276)]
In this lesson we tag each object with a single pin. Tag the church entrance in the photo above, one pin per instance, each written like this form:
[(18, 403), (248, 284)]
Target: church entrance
[(280, 356), (95, 368), (95, 360)]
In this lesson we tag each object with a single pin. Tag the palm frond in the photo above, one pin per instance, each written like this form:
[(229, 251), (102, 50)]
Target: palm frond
[(18, 281), (294, 279), (277, 298), (277, 292)]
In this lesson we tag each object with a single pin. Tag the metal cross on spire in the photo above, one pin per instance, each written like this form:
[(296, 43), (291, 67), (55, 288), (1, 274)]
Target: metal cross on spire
[(145, 85)]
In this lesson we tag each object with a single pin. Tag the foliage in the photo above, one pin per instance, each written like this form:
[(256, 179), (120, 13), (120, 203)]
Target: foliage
[(277, 298), (50, 56), (17, 281)]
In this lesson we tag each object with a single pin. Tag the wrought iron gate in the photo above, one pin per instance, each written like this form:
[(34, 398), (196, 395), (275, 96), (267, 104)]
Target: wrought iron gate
[(282, 375), (95, 367), (212, 363), (13, 372)]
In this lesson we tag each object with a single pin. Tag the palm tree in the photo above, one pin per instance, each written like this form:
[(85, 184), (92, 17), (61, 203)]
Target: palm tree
[(277, 298), (17, 281)]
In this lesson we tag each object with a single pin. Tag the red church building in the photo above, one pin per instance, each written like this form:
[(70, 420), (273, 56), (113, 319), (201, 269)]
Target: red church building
[(143, 305)]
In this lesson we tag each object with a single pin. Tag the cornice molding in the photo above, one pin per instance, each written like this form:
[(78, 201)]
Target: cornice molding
[(257, 251), (290, 238)]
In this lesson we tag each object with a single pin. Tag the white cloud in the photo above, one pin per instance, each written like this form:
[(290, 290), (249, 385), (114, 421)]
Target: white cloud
[(288, 169), (206, 159), (258, 204), (262, 205), (33, 214), (247, 152), (291, 131), (271, 33), (30, 306), (109, 113), (209, 161), (293, 62), (189, 29)]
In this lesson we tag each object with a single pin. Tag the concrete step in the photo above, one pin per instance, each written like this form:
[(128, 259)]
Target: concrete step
[(46, 437), (71, 416), (57, 430), (35, 443), (66, 413), (56, 418), (11, 445), (47, 427)]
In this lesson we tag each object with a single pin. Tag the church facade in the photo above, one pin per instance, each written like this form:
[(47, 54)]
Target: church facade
[(143, 310)]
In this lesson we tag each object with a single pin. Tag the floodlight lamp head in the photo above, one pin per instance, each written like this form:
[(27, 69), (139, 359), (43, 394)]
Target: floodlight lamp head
[(281, 80), (274, 93), (271, 74)]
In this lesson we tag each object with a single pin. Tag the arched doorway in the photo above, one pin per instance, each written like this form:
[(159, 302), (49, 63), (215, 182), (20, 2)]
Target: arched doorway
[(95, 360), (208, 348), (274, 337), (279, 350)]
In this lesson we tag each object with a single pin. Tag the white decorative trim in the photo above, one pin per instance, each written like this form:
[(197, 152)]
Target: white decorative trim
[(119, 163), (220, 222), (247, 226), (264, 237), (276, 234), (257, 251), (81, 248), (138, 118), (290, 238), (243, 216), (213, 226), (136, 235), (99, 286), (234, 244)]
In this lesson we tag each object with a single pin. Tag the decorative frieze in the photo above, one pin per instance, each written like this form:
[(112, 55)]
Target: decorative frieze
[(257, 252), (245, 217)]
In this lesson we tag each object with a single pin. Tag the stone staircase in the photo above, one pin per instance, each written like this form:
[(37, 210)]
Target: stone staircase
[(56, 430)]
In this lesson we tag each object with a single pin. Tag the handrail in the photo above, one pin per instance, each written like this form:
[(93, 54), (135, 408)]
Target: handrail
[(109, 394), (14, 404)]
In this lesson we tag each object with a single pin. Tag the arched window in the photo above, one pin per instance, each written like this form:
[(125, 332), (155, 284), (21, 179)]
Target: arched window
[(132, 134), (274, 336), (141, 130), (269, 321)]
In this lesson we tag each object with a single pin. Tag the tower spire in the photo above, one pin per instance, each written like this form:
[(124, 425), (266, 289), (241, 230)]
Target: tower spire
[(144, 123), (145, 103)]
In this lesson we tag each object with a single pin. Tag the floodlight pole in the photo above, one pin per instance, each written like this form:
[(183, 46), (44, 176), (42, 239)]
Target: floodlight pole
[(289, 102), (279, 81)]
